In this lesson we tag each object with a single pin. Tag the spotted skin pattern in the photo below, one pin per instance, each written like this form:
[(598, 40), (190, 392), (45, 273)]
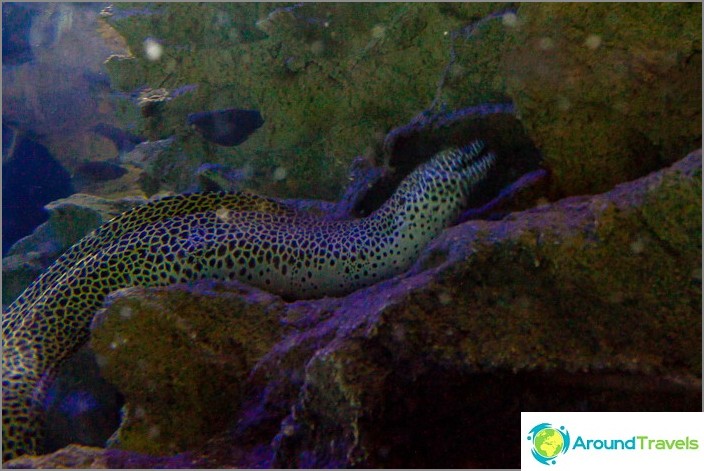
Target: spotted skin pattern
[(127, 223), (217, 236)]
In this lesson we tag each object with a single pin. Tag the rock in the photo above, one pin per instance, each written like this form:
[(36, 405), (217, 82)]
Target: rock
[(19, 270), (145, 154), (229, 127), (61, 113), (410, 144), (81, 406), (214, 177), (186, 386), (99, 171), (31, 178), (603, 106), (73, 456), (361, 178), (325, 76), (494, 317)]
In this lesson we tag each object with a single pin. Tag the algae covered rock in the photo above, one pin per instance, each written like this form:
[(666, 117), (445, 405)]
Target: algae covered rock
[(330, 80), (608, 92), (565, 301), (591, 301), (186, 384)]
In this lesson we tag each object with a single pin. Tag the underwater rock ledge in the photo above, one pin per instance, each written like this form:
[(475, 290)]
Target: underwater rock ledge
[(592, 301)]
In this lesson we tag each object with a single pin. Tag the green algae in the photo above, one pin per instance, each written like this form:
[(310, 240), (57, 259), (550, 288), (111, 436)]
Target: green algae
[(330, 79), (631, 285), (608, 92), (584, 291), (184, 386)]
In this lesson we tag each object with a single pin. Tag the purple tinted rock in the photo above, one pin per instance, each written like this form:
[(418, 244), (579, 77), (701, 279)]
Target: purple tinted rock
[(416, 370)]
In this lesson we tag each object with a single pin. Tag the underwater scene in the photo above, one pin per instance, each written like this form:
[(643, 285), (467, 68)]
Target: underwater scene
[(331, 235)]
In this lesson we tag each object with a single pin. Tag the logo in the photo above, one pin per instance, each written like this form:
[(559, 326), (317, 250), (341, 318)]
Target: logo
[(549, 442)]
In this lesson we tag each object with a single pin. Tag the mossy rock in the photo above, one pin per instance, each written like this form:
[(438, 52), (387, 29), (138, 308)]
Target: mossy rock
[(595, 300), (186, 384), (330, 80), (608, 92)]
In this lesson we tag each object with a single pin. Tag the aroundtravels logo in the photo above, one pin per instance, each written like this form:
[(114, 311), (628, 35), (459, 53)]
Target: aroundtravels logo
[(664, 440), (549, 442)]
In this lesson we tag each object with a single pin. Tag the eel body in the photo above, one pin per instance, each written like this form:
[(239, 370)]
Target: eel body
[(217, 236)]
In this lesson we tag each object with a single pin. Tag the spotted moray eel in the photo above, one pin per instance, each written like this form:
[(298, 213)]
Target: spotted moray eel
[(217, 236)]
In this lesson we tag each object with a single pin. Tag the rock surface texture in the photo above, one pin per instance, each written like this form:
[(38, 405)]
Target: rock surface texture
[(591, 301)]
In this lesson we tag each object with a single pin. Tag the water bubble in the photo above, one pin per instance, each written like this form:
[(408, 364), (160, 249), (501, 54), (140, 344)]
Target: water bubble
[(317, 47), (444, 298), (139, 412), (593, 41), (222, 19), (101, 360), (563, 103), (546, 44), (153, 49), (378, 31), (398, 333), (510, 19), (279, 174), (638, 245), (126, 312), (154, 432)]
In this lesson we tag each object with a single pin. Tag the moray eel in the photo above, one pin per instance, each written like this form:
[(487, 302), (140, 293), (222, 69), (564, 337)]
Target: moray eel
[(217, 236)]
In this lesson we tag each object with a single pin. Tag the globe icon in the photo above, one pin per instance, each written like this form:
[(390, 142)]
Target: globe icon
[(548, 443)]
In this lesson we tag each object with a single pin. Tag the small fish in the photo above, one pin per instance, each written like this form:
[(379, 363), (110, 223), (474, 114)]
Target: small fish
[(124, 141), (228, 127)]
